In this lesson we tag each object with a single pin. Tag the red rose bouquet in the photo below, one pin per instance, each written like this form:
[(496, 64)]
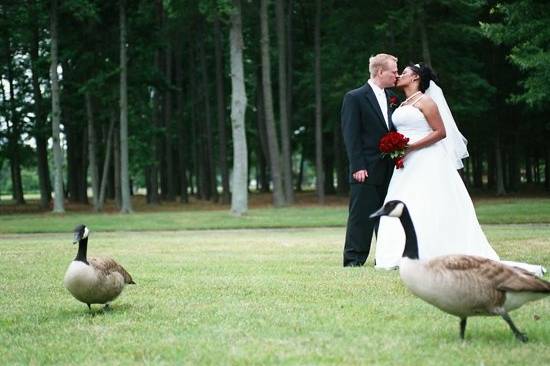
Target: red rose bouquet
[(394, 101), (394, 144)]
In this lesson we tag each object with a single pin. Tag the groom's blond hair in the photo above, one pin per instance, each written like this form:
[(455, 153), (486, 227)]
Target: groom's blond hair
[(378, 62)]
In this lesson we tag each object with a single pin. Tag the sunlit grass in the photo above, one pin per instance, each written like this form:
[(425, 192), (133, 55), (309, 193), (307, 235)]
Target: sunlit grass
[(248, 297)]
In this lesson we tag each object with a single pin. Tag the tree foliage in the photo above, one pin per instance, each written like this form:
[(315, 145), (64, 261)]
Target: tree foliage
[(523, 27), (489, 56)]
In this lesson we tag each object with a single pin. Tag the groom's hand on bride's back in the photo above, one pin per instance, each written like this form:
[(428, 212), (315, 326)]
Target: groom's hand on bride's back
[(360, 175)]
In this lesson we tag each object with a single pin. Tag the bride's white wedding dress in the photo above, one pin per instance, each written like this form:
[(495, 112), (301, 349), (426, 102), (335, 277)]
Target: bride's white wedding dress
[(439, 204)]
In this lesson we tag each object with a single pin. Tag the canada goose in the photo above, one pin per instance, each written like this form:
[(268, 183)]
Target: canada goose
[(464, 285), (94, 280)]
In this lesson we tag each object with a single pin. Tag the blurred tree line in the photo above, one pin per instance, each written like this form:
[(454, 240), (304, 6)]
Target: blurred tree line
[(147, 92)]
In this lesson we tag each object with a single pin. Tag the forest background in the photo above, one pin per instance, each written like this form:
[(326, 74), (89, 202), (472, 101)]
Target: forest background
[(210, 100)]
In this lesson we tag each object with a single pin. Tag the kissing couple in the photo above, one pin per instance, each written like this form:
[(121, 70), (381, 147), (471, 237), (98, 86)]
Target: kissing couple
[(439, 204)]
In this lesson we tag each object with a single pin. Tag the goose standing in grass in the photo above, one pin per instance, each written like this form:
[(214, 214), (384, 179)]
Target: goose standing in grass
[(464, 285), (94, 280)]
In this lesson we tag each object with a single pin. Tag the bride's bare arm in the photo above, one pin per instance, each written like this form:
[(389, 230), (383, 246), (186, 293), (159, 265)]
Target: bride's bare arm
[(428, 107)]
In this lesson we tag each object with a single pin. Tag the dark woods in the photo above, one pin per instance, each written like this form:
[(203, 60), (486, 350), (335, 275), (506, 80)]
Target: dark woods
[(173, 61)]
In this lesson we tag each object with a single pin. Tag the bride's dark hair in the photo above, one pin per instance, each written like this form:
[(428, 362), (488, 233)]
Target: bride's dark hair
[(426, 74)]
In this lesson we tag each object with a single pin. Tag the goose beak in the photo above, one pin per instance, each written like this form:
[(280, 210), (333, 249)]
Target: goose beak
[(76, 238), (378, 213)]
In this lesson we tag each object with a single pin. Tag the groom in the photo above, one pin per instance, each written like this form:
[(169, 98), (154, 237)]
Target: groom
[(366, 116)]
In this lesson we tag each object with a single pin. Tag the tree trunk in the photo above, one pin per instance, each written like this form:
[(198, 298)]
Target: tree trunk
[(58, 206), (547, 168), (491, 168), (477, 168), (290, 67), (181, 132), (13, 132), (4, 113), (116, 170), (500, 191), (328, 168), (170, 181), (195, 179), (106, 163), (92, 163), (156, 175), (202, 160), (76, 135), (320, 181), (515, 174), (290, 78), (154, 167), (197, 129), (222, 135), (537, 169), (43, 170), (274, 157), (153, 192), (40, 132), (283, 95), (528, 167), (300, 179), (239, 196), (210, 166), (126, 204), (262, 150), (195, 170)]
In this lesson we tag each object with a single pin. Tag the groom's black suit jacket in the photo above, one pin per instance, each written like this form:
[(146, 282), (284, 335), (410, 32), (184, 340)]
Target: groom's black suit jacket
[(363, 125)]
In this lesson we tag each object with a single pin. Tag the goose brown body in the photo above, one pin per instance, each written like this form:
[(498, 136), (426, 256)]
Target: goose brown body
[(467, 285), (99, 282), (94, 280), (464, 285)]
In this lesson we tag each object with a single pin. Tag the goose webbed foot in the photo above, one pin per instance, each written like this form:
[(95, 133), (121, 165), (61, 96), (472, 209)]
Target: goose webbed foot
[(522, 337), (462, 327), (519, 335)]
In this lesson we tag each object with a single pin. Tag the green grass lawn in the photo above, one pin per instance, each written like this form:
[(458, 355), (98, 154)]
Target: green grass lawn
[(499, 211), (258, 296)]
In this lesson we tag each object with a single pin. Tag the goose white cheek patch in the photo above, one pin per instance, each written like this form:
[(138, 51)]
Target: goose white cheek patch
[(397, 211)]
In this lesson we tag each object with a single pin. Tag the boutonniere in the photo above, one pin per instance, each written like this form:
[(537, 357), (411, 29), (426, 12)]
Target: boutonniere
[(394, 102)]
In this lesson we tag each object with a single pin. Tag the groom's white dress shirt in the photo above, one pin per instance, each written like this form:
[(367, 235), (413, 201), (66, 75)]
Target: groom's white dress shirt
[(381, 98)]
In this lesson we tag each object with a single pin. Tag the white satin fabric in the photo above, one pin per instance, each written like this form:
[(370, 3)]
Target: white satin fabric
[(439, 204)]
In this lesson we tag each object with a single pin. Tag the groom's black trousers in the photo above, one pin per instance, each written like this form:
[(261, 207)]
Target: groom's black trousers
[(364, 200)]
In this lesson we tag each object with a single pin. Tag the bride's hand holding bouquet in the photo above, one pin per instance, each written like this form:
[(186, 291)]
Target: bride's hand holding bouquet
[(395, 145)]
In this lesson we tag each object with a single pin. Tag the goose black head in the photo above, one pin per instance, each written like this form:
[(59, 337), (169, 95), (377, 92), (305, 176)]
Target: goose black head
[(391, 208), (80, 232)]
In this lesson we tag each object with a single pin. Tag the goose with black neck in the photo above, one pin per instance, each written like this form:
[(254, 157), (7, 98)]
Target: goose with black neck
[(464, 285), (94, 280)]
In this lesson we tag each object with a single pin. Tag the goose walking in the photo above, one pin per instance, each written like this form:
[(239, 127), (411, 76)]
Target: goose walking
[(94, 280), (464, 285)]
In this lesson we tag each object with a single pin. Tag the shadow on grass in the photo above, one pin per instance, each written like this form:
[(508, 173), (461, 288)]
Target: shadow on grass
[(96, 310)]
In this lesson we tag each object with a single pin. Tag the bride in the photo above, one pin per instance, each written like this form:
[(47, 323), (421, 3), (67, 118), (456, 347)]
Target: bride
[(439, 204)]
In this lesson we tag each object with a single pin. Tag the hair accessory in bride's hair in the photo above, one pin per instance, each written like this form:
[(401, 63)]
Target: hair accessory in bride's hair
[(426, 75)]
